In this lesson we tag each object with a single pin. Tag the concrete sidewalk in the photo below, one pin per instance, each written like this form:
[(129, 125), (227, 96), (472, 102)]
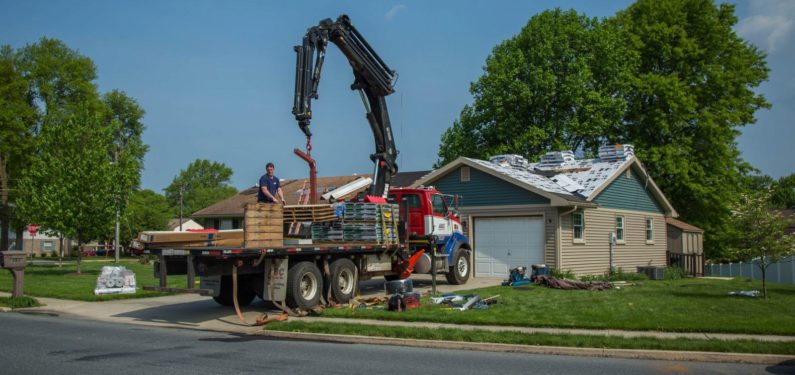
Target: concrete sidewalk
[(189, 311)]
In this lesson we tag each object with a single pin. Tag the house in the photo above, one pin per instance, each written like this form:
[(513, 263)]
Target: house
[(45, 244), (187, 224), (569, 214), (228, 213)]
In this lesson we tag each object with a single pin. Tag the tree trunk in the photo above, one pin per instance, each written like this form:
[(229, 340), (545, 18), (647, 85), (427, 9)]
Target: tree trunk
[(79, 254), (60, 251), (764, 279), (4, 210), (20, 238)]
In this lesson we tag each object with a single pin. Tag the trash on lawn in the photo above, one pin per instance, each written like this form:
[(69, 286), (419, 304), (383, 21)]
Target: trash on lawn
[(745, 293), (115, 280), (360, 303), (447, 298), (516, 277), (552, 282), (403, 301)]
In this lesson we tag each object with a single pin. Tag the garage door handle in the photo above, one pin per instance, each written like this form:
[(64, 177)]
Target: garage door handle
[(509, 252)]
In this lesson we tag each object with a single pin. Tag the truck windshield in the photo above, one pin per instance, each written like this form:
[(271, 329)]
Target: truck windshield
[(439, 207)]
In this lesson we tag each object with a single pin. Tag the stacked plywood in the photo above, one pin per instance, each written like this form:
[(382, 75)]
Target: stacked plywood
[(222, 238), (264, 225)]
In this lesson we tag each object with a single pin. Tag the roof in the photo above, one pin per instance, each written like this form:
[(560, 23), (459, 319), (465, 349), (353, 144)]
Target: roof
[(173, 223), (292, 189), (578, 184), (682, 225)]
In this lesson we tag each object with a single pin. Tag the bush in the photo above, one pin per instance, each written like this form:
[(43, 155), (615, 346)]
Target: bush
[(616, 274), (558, 274), (675, 273), (19, 302)]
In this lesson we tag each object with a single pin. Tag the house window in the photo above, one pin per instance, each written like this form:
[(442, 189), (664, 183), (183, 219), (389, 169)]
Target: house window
[(649, 230), (578, 225), (47, 246), (619, 229), (464, 174)]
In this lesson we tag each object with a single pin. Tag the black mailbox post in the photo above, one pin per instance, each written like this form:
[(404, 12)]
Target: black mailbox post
[(15, 261)]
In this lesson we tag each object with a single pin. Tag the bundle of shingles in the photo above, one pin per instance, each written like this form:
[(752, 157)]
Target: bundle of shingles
[(556, 283)]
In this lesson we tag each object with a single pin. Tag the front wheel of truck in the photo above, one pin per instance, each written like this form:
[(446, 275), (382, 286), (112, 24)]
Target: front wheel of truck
[(460, 269)]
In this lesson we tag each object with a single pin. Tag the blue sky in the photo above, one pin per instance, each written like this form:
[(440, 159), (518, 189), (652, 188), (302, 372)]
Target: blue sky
[(216, 78)]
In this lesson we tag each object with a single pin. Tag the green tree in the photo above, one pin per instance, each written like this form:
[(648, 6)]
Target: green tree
[(784, 192), (763, 239), (69, 186), (147, 210), (693, 90), (556, 85), (17, 118), (200, 185), (123, 116)]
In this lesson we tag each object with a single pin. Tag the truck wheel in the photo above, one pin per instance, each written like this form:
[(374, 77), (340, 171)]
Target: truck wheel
[(245, 294), (459, 272), (343, 280), (304, 285)]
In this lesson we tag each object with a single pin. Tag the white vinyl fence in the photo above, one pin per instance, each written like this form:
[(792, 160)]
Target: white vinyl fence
[(782, 272)]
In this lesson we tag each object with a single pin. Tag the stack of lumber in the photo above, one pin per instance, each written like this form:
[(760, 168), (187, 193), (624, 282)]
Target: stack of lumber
[(309, 212), (167, 239), (263, 225)]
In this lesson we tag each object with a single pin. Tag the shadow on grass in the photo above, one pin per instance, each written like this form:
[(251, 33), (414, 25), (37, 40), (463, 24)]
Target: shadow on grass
[(56, 271)]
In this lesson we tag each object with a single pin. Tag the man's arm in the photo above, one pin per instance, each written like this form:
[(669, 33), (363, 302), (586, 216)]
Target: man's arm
[(268, 193), (281, 195)]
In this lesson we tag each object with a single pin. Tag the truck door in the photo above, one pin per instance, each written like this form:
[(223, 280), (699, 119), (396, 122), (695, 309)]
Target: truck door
[(415, 216), (437, 221)]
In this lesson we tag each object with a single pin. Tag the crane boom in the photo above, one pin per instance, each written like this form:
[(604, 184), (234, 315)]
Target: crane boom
[(373, 79)]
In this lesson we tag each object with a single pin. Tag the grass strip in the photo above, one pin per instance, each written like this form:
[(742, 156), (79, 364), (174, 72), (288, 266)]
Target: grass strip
[(688, 305), (541, 339), (19, 302), (63, 282)]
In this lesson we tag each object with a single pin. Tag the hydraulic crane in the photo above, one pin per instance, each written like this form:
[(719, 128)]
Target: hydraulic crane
[(374, 80)]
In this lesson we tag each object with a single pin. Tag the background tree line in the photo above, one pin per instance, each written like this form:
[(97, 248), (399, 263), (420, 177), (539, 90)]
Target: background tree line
[(670, 77), (71, 157)]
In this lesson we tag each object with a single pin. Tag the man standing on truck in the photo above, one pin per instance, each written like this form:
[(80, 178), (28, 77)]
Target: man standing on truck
[(269, 187)]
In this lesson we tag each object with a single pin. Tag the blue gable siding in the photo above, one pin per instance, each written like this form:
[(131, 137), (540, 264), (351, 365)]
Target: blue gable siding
[(483, 189), (628, 194)]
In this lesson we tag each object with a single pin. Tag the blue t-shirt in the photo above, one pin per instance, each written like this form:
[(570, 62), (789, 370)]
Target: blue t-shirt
[(273, 186)]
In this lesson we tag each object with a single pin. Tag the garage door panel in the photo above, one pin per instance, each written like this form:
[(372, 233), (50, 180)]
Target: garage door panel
[(507, 242)]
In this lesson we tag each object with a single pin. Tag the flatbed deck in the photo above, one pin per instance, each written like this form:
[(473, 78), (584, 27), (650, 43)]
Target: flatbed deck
[(313, 249)]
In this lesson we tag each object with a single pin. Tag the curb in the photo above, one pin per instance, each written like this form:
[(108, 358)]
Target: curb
[(665, 355)]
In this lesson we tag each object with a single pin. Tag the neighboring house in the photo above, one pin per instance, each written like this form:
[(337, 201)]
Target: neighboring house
[(228, 213), (187, 224), (43, 243), (561, 212), (789, 214)]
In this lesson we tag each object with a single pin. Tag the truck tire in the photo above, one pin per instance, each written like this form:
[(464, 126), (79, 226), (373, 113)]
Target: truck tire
[(343, 280), (304, 286), (460, 269), (245, 294)]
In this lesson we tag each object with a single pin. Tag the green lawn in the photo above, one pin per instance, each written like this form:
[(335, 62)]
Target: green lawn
[(63, 282), (688, 305), (580, 341)]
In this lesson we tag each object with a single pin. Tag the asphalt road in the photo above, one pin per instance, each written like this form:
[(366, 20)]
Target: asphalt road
[(41, 344)]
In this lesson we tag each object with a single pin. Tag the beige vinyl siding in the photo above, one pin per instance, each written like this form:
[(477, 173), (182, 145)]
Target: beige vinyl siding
[(593, 256), (549, 214)]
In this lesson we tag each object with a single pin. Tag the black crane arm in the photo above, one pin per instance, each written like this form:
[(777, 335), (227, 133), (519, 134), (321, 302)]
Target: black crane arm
[(372, 78)]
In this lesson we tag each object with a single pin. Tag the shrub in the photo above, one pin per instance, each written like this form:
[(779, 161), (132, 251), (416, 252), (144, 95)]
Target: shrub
[(19, 302), (558, 274), (675, 273), (616, 274)]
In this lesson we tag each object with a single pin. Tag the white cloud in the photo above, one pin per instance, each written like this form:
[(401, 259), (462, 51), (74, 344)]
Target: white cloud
[(770, 24), (394, 11)]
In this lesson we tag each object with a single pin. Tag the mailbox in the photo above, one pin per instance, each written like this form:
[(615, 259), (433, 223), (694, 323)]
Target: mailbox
[(15, 261)]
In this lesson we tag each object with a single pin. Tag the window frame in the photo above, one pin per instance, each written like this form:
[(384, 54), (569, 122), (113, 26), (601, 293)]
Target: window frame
[(438, 198), (620, 236), (649, 231), (581, 226)]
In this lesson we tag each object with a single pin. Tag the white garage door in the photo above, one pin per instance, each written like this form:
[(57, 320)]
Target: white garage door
[(502, 243)]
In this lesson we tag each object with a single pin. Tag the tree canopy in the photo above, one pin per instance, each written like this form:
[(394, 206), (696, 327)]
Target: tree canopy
[(147, 210), (201, 184), (670, 77), (554, 86)]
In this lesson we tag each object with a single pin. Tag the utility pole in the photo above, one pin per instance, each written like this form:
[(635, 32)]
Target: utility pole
[(181, 192), (116, 246)]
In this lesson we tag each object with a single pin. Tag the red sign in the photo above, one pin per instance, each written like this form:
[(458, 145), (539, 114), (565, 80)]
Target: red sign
[(33, 229)]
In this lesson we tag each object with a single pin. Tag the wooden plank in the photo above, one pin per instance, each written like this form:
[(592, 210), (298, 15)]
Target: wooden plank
[(264, 221), (264, 229), (263, 207)]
